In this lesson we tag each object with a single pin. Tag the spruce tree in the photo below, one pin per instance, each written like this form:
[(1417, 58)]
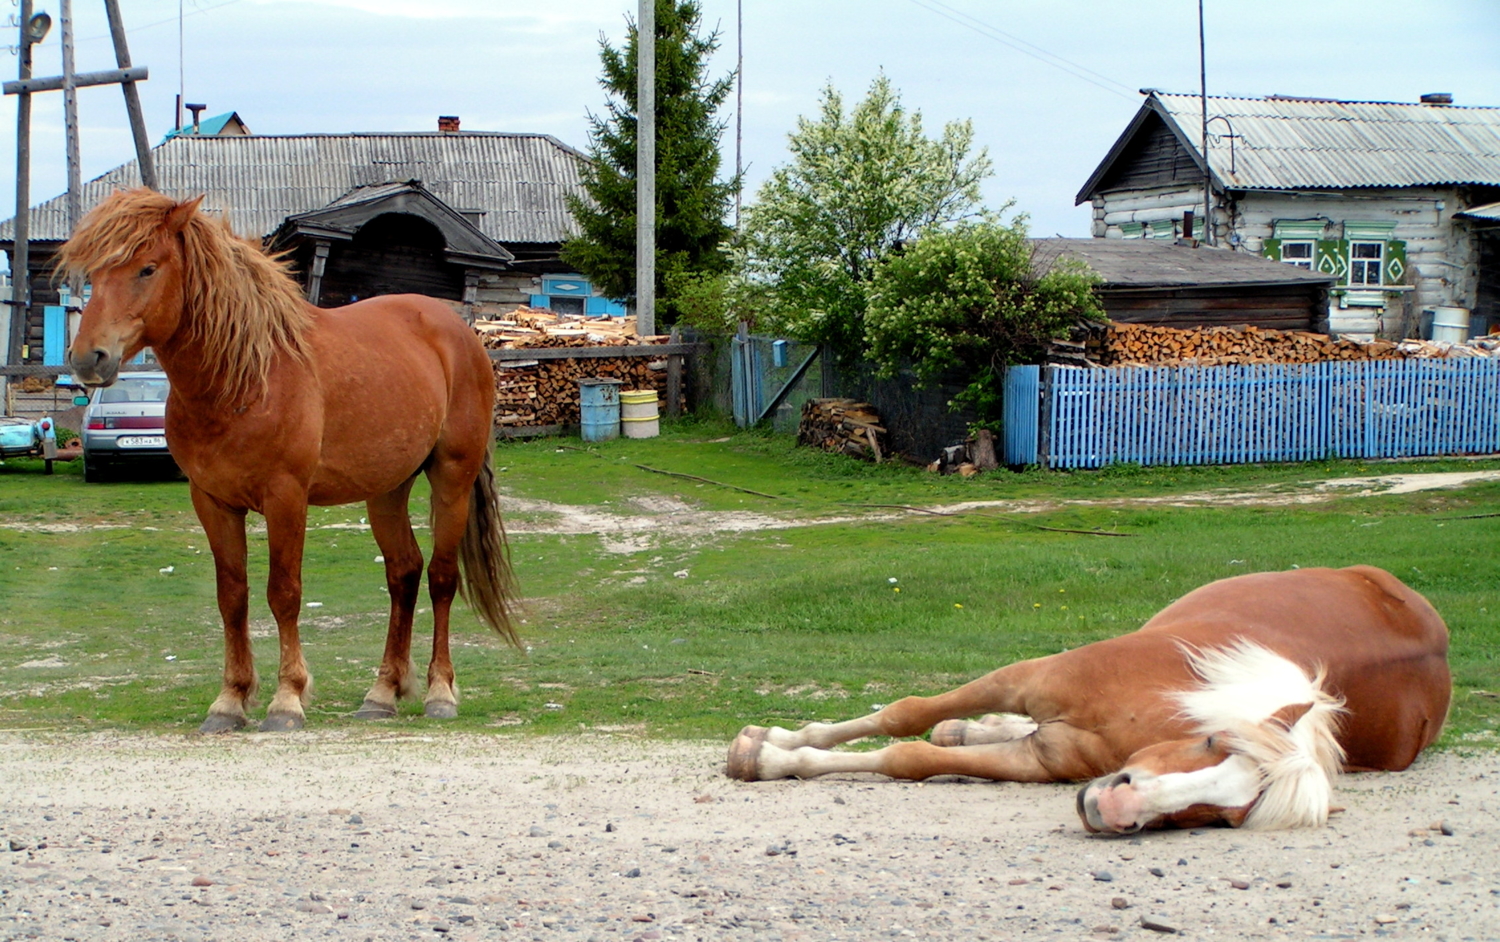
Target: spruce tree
[(691, 201)]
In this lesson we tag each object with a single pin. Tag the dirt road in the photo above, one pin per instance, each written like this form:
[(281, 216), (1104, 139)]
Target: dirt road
[(395, 835)]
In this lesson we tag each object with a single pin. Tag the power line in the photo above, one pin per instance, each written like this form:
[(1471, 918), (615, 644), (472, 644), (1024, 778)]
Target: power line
[(1028, 49)]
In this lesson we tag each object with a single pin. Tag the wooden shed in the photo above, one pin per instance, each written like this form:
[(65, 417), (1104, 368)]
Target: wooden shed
[(1173, 284)]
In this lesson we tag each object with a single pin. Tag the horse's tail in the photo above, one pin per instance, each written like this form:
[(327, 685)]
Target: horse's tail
[(488, 584)]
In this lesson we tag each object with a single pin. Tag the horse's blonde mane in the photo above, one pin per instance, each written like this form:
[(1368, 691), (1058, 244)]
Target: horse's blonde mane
[(240, 305), (1243, 685)]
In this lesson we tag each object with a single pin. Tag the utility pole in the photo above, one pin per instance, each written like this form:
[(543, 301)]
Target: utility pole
[(33, 28), (20, 287), (739, 107), (645, 169), (1208, 174), (70, 117)]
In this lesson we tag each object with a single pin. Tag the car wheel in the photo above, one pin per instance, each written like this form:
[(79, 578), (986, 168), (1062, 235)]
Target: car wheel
[(94, 472)]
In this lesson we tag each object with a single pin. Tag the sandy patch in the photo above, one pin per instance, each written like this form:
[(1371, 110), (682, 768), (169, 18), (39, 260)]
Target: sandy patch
[(393, 835)]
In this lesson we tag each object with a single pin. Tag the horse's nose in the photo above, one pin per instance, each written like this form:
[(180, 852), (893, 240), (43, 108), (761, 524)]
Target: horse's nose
[(89, 365)]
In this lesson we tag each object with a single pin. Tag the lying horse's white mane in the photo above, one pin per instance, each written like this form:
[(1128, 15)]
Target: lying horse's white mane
[(1243, 685)]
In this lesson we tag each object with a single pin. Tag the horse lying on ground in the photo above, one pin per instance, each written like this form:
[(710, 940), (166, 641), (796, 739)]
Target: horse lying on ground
[(1238, 703), (275, 405)]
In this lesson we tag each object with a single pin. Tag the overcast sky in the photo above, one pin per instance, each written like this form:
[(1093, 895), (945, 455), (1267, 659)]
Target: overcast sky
[(1048, 85)]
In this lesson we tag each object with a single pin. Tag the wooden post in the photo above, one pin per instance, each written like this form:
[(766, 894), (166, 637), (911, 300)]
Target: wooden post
[(132, 96), (319, 265), (674, 378)]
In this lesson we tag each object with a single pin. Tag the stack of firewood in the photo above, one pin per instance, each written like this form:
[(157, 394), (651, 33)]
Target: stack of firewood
[(539, 327), (846, 426), (1143, 344), (545, 392)]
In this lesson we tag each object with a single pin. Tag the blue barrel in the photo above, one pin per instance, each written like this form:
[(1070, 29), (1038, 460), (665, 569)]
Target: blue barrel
[(599, 409)]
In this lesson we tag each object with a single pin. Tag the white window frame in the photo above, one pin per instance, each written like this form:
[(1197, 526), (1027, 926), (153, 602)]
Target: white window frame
[(1299, 262), (1363, 264)]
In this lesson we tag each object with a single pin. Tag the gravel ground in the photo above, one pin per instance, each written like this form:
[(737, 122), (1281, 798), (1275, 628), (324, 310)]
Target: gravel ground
[(385, 835)]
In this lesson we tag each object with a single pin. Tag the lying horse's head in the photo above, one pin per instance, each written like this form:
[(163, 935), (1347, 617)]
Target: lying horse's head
[(1264, 756), (130, 249)]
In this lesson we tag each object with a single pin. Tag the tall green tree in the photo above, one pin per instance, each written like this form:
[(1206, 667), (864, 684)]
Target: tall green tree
[(974, 298), (859, 186), (692, 203)]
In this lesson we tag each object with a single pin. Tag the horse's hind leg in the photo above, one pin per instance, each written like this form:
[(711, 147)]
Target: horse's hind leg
[(390, 523), (452, 484)]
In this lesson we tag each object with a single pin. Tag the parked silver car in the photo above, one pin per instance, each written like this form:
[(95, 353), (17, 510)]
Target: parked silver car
[(125, 424)]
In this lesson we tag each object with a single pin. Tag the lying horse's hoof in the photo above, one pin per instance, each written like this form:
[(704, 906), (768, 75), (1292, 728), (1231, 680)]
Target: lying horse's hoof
[(744, 754), (281, 722), (440, 710), (949, 733), (371, 710), (223, 723)]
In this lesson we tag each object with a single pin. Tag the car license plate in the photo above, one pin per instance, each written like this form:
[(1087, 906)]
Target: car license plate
[(141, 441)]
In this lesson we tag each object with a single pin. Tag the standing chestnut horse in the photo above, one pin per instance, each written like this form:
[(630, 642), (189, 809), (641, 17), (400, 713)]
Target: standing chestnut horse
[(1237, 703), (276, 405)]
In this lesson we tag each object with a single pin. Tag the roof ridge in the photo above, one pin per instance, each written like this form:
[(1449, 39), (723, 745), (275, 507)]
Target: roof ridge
[(1310, 99)]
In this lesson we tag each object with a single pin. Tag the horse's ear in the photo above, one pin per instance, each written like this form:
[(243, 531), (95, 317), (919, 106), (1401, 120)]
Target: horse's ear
[(181, 214), (1287, 716)]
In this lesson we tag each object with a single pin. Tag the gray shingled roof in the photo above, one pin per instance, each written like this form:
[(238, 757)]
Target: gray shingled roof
[(1152, 263), (519, 181), (1300, 143)]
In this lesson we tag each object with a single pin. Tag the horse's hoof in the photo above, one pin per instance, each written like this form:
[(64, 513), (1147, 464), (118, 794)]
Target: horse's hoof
[(744, 754), (371, 710), (281, 722), (223, 723), (439, 710), (949, 733)]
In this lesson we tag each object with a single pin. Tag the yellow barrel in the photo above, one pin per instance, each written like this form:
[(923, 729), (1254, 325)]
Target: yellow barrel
[(638, 413)]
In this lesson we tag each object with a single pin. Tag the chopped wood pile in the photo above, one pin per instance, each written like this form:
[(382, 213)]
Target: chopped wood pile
[(545, 392), (1442, 350), (1092, 344), (1143, 344), (539, 327), (845, 426), (531, 393)]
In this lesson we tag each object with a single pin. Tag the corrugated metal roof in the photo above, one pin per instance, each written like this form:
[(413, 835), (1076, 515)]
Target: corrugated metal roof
[(1487, 211), (519, 181), (1299, 143), (1143, 263)]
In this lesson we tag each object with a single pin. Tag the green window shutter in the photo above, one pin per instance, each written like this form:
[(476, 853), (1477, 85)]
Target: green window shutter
[(1395, 262), (1331, 257), (1271, 248)]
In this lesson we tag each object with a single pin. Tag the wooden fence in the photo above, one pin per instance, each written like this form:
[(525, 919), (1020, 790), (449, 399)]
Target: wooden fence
[(1065, 417)]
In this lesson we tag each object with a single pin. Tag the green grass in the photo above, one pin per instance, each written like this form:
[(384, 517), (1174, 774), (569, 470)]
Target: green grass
[(781, 625)]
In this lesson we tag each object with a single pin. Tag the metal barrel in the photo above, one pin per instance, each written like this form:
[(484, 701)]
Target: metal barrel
[(599, 409)]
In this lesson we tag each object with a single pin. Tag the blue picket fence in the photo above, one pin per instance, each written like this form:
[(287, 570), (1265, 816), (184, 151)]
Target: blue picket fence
[(1087, 418)]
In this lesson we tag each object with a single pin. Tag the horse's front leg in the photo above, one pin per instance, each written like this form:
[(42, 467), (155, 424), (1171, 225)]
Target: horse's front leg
[(225, 528), (913, 760), (286, 530)]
